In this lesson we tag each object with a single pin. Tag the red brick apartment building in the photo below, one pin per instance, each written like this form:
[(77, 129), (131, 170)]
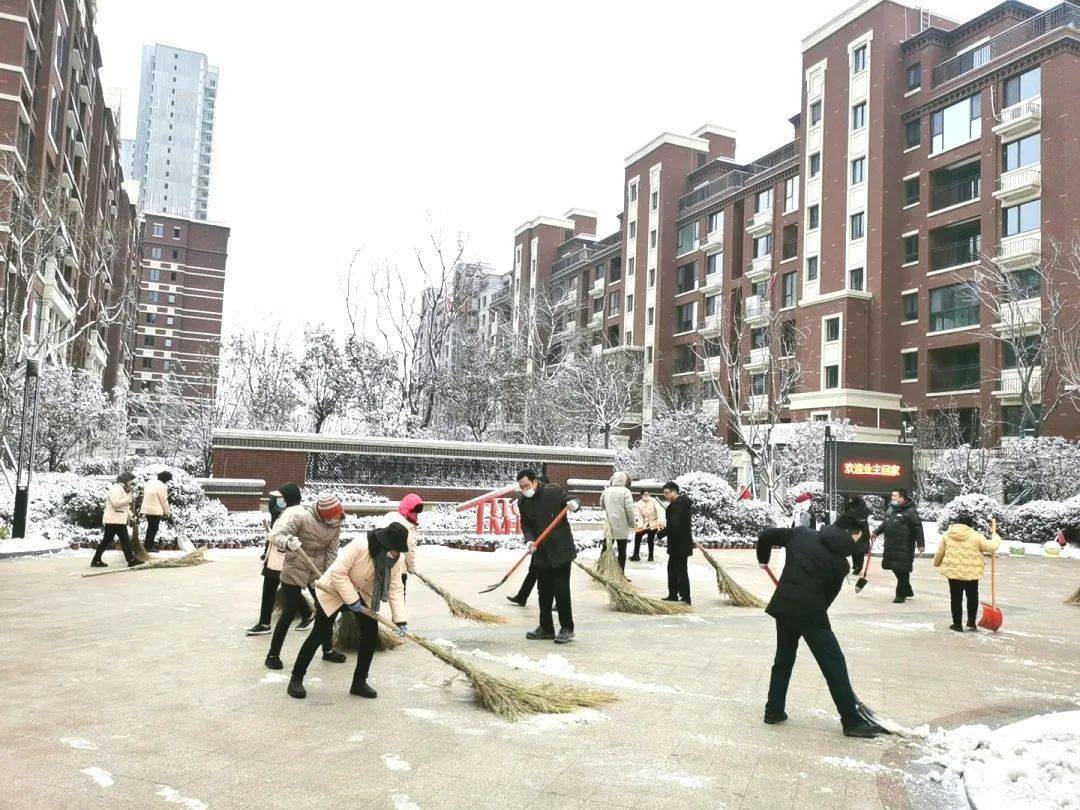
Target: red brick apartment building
[(918, 152)]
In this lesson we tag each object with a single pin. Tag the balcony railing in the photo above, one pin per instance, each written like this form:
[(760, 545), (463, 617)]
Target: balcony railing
[(954, 378), (1065, 15), (757, 308), (731, 180), (955, 253), (773, 159), (961, 191), (577, 257)]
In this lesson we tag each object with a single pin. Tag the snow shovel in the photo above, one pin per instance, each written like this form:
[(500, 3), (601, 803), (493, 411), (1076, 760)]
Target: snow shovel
[(862, 581), (543, 536), (991, 614)]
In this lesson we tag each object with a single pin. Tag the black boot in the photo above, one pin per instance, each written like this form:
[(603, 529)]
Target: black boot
[(274, 662), (773, 717), (97, 562), (334, 656), (360, 688), (296, 687), (517, 601)]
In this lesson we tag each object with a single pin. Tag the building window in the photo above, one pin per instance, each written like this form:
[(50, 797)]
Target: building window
[(712, 263), (953, 307), (787, 295), (633, 230), (764, 202), (167, 365), (686, 278), (175, 233), (1016, 421), (613, 304), (1021, 218), (815, 113), (789, 339), (910, 365), (858, 116), (912, 134), (648, 355), (757, 385), (598, 272), (616, 269), (763, 246), (598, 304), (1023, 152), (686, 238), (911, 307), (654, 200), (856, 279), (815, 164), (956, 124), (151, 318), (155, 274), (633, 192), (832, 330), (814, 217), (858, 169), (148, 340), (712, 306), (147, 362), (155, 252), (629, 303), (812, 268), (652, 277), (1022, 87), (1030, 351), (55, 114), (914, 76), (159, 229), (832, 377), (716, 222), (172, 298), (857, 225), (175, 254), (650, 316), (652, 238), (168, 343), (789, 248), (911, 191), (911, 248), (152, 296), (858, 59), (791, 194), (1024, 284), (684, 318), (954, 369)]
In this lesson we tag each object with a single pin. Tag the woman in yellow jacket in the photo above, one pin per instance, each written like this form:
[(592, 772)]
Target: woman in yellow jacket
[(960, 558)]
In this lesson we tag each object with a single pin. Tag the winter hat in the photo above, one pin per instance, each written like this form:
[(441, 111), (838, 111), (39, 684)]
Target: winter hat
[(291, 494), (125, 478), (806, 496), (164, 476), (329, 507), (410, 507), (394, 537)]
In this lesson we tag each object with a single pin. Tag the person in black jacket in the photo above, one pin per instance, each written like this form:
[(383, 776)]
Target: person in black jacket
[(903, 532), (815, 568), (855, 507), (680, 544), (539, 504)]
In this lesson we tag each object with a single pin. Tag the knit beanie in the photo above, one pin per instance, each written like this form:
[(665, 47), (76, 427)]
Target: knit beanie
[(328, 507), (291, 494), (806, 496)]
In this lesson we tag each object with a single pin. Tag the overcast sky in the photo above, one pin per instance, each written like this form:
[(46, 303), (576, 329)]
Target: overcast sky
[(350, 125)]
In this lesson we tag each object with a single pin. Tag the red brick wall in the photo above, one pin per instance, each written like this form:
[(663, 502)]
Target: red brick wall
[(276, 467)]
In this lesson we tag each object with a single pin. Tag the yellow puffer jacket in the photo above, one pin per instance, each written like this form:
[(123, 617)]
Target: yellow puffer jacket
[(960, 554)]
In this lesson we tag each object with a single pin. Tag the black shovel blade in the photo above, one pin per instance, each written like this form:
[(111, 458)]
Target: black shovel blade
[(867, 714), (860, 583)]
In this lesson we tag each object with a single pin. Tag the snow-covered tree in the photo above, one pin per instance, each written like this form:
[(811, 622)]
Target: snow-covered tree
[(72, 411), (1043, 468), (259, 374), (803, 457), (472, 393), (324, 376), (677, 442), (966, 470), (604, 389)]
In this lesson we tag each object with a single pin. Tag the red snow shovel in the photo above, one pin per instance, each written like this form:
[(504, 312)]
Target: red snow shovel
[(543, 536), (991, 614)]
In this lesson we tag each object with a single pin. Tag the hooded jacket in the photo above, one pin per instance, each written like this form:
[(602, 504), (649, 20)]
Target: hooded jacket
[(903, 532), (618, 506), (319, 540), (960, 554), (814, 571), (290, 493), (407, 516)]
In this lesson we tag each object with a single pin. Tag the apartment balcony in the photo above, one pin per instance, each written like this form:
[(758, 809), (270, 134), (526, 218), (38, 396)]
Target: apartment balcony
[(597, 288), (955, 254), (79, 150), (760, 269), (711, 407), (1019, 119), (1022, 250), (567, 302), (76, 59), (84, 93), (72, 120), (757, 360), (712, 240), (714, 283), (759, 224), (713, 326), (955, 193), (713, 368), (1019, 185), (1020, 316), (596, 320), (757, 405), (1011, 385), (757, 311), (57, 293)]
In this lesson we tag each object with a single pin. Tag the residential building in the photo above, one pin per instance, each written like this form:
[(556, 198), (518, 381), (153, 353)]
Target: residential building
[(174, 141)]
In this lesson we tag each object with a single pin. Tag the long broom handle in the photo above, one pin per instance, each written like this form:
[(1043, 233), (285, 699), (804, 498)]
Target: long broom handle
[(536, 543), (993, 567), (772, 576)]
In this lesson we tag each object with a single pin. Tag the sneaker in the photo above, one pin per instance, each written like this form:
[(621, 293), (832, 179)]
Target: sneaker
[(335, 657), (360, 688), (971, 626), (274, 662), (516, 601), (863, 729), (956, 627), (772, 718), (258, 630), (296, 688), (98, 564), (540, 634), (305, 624), (564, 636)]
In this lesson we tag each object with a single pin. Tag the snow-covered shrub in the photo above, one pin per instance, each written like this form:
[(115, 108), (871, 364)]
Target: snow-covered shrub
[(83, 500), (751, 517), (1039, 521), (1043, 467), (676, 443), (345, 493), (100, 465), (979, 507), (717, 509), (930, 510), (184, 491)]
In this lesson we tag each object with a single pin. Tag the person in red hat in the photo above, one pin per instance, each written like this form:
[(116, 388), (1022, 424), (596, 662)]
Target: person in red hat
[(407, 515), (801, 513), (317, 531)]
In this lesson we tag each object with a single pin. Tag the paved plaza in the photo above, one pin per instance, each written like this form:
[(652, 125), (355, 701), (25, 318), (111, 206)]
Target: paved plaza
[(141, 690)]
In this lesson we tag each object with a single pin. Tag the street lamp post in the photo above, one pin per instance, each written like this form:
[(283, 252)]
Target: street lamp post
[(27, 442)]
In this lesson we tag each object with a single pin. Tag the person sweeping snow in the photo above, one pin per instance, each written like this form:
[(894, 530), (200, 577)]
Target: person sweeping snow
[(407, 515), (960, 558), (648, 522), (155, 506), (368, 573), (619, 515), (680, 542), (282, 502), (903, 532), (317, 531), (815, 568), (115, 520)]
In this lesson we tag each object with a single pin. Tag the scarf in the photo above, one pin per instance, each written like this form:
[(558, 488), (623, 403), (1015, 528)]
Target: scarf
[(383, 563)]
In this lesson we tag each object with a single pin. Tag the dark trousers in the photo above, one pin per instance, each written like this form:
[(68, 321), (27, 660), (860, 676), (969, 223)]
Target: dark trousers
[(322, 633), (294, 597), (903, 584), (621, 544), (857, 562), (271, 580), (650, 537), (830, 659), (678, 577), (526, 586), (114, 532), (957, 589), (554, 584), (152, 524)]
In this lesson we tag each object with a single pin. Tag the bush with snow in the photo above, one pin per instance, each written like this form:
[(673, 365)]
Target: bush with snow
[(718, 511), (677, 443), (344, 493), (1039, 521), (979, 507), (1043, 467), (803, 457)]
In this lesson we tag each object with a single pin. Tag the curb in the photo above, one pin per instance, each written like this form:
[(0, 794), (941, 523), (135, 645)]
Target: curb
[(39, 552)]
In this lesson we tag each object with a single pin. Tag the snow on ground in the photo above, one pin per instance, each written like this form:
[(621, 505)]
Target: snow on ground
[(684, 780), (554, 664), (101, 777), (403, 802), (1032, 763), (857, 765), (34, 543), (547, 723), (395, 763), (172, 795), (916, 627), (78, 742)]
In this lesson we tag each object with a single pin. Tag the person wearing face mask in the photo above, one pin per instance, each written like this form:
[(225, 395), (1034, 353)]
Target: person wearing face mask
[(407, 515), (282, 502), (114, 522), (678, 530), (903, 532), (619, 516), (317, 531), (649, 511), (366, 574)]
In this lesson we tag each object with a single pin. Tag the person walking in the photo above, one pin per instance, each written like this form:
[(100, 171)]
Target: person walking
[(367, 573), (282, 502), (648, 521), (317, 531), (115, 520), (155, 506), (903, 532), (407, 515), (814, 570), (802, 512), (619, 515), (855, 508), (960, 558), (538, 506), (680, 543)]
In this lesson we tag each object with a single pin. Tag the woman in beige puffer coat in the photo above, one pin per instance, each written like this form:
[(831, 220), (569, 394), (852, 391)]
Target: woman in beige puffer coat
[(960, 558)]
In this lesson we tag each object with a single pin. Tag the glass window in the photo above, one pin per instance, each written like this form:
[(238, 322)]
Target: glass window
[(914, 76), (787, 296), (630, 303), (911, 248), (633, 230), (1022, 87), (815, 164), (155, 274), (911, 306), (789, 339), (684, 318), (1024, 352), (791, 194), (815, 112), (858, 170), (757, 385), (910, 365), (686, 278), (1023, 284), (911, 191), (175, 233), (856, 279), (763, 246), (954, 369), (652, 238), (712, 305), (148, 340), (912, 134), (652, 276), (155, 252), (616, 269), (1023, 152), (764, 202), (716, 222), (953, 307), (613, 303), (598, 272), (147, 363), (654, 200), (1016, 421), (650, 316), (812, 268), (159, 229), (1021, 218), (956, 124), (687, 238), (858, 59), (789, 249), (814, 217), (633, 192), (832, 376), (832, 330), (759, 338), (713, 262), (153, 296), (858, 224), (858, 115)]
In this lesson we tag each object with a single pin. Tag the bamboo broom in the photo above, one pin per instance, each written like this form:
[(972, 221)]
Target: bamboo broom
[(737, 595), (347, 637), (197, 557), (505, 698), (607, 565), (625, 599), (1074, 599), (459, 609)]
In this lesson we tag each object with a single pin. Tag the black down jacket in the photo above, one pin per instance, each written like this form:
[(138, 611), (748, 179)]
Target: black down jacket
[(536, 513), (814, 570), (903, 532)]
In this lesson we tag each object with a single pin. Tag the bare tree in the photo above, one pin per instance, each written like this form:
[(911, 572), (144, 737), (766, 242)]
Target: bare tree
[(605, 389), (1063, 282), (474, 390), (260, 371), (323, 373)]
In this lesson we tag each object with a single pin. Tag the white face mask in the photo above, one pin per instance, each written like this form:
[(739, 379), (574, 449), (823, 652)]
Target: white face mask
[(528, 493)]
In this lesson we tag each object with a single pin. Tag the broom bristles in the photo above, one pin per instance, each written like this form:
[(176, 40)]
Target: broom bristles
[(347, 636), (737, 595), (460, 609), (197, 557), (608, 566), (1074, 599), (625, 599)]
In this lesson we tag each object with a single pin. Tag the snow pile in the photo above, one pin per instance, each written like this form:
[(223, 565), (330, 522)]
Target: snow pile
[(101, 777), (547, 723), (856, 765), (1033, 763), (554, 664)]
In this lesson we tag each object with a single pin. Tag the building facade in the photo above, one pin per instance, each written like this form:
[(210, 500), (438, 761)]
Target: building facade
[(845, 261), (174, 142)]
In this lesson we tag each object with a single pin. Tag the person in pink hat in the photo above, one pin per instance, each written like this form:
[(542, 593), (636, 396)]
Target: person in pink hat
[(407, 515)]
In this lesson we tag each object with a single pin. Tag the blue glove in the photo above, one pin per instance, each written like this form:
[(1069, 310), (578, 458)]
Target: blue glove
[(357, 606), (403, 628)]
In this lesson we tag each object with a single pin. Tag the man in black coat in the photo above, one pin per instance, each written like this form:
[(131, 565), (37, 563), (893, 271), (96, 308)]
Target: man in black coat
[(903, 532), (539, 504), (814, 570), (680, 544)]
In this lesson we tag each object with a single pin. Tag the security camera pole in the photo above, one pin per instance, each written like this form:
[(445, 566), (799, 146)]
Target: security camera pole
[(27, 441)]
